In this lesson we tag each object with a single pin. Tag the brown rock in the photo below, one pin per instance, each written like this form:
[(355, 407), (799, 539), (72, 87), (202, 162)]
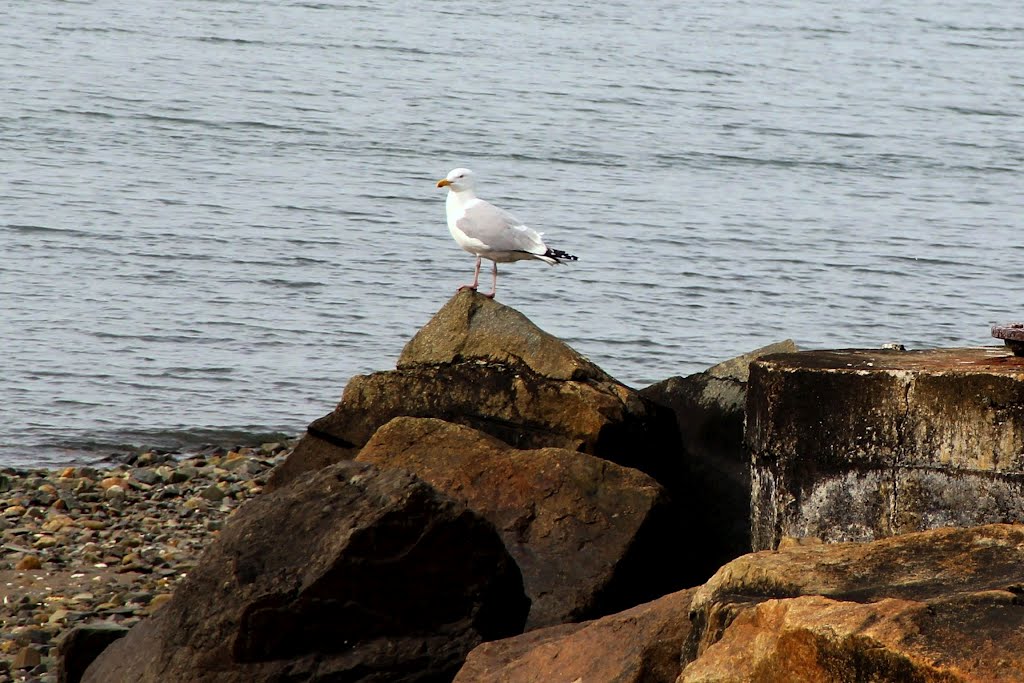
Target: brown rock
[(587, 534), (108, 482), (472, 327), (27, 658), (640, 645), (29, 562), (818, 640), (351, 573), (536, 393), (940, 605)]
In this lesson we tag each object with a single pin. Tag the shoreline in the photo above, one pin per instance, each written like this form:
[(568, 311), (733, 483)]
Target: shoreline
[(109, 542)]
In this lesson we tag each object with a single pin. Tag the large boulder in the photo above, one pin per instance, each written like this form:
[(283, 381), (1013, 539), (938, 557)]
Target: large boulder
[(351, 573), (588, 535), (941, 605), (710, 408), (484, 365), (853, 445), (639, 645)]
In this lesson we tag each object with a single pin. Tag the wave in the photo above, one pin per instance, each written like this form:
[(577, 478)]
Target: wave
[(117, 446)]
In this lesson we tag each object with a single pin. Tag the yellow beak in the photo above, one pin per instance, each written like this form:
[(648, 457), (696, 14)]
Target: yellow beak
[(444, 182)]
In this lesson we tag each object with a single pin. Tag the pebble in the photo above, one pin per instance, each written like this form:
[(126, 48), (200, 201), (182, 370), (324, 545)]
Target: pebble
[(85, 544), (29, 562)]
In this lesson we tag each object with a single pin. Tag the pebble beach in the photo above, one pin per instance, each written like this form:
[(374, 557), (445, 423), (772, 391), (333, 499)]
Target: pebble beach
[(109, 543)]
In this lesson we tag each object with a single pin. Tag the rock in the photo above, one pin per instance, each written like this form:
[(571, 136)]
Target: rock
[(506, 378), (710, 407), (888, 640), (941, 605), (549, 505), (29, 562), (159, 601), (212, 493), (471, 326), (350, 573), (28, 657), (181, 474), (57, 522), (863, 444), (45, 542), (640, 645), (195, 503), (114, 492), (146, 475), (77, 649)]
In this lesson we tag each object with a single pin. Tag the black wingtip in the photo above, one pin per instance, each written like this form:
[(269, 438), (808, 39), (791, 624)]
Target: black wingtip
[(560, 255)]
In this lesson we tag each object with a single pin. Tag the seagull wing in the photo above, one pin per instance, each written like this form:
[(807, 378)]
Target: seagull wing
[(498, 230)]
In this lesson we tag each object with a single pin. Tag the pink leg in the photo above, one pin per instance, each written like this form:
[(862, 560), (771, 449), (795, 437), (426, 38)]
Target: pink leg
[(494, 280), (476, 278)]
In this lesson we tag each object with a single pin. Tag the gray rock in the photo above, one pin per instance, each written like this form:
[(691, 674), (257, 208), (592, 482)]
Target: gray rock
[(212, 493), (183, 473), (146, 475), (710, 408)]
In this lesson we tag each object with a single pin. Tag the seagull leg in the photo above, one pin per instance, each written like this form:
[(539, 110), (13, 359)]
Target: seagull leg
[(476, 278), (494, 280)]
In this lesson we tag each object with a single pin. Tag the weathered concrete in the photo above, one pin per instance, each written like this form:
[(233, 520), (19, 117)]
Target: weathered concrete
[(863, 444)]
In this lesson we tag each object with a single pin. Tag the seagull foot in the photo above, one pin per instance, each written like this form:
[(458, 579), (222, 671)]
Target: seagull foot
[(471, 288)]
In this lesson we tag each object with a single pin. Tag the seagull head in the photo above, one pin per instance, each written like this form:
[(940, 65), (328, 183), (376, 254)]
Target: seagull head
[(457, 180)]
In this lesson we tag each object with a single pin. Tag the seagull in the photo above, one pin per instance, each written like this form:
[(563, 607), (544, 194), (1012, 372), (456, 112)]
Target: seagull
[(491, 233)]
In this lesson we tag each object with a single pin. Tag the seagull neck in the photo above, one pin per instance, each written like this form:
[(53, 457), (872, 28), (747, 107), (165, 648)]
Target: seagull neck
[(461, 196)]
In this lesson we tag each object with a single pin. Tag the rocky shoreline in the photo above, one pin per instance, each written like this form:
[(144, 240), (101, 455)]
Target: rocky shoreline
[(109, 544), (499, 509)]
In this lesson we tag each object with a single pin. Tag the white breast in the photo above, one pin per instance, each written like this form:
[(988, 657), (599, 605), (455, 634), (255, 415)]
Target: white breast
[(456, 209)]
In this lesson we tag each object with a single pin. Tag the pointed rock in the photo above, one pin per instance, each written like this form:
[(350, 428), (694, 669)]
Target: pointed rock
[(472, 327), (504, 377)]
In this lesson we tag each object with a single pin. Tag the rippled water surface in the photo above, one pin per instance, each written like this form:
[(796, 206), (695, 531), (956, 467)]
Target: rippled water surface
[(213, 213)]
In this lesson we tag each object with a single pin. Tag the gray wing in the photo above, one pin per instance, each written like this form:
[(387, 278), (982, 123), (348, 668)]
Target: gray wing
[(498, 230)]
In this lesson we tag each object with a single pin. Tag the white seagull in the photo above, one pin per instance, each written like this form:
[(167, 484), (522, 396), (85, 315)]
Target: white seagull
[(490, 233)]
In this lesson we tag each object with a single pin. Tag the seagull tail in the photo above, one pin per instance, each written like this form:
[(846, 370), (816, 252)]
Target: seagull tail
[(556, 256)]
